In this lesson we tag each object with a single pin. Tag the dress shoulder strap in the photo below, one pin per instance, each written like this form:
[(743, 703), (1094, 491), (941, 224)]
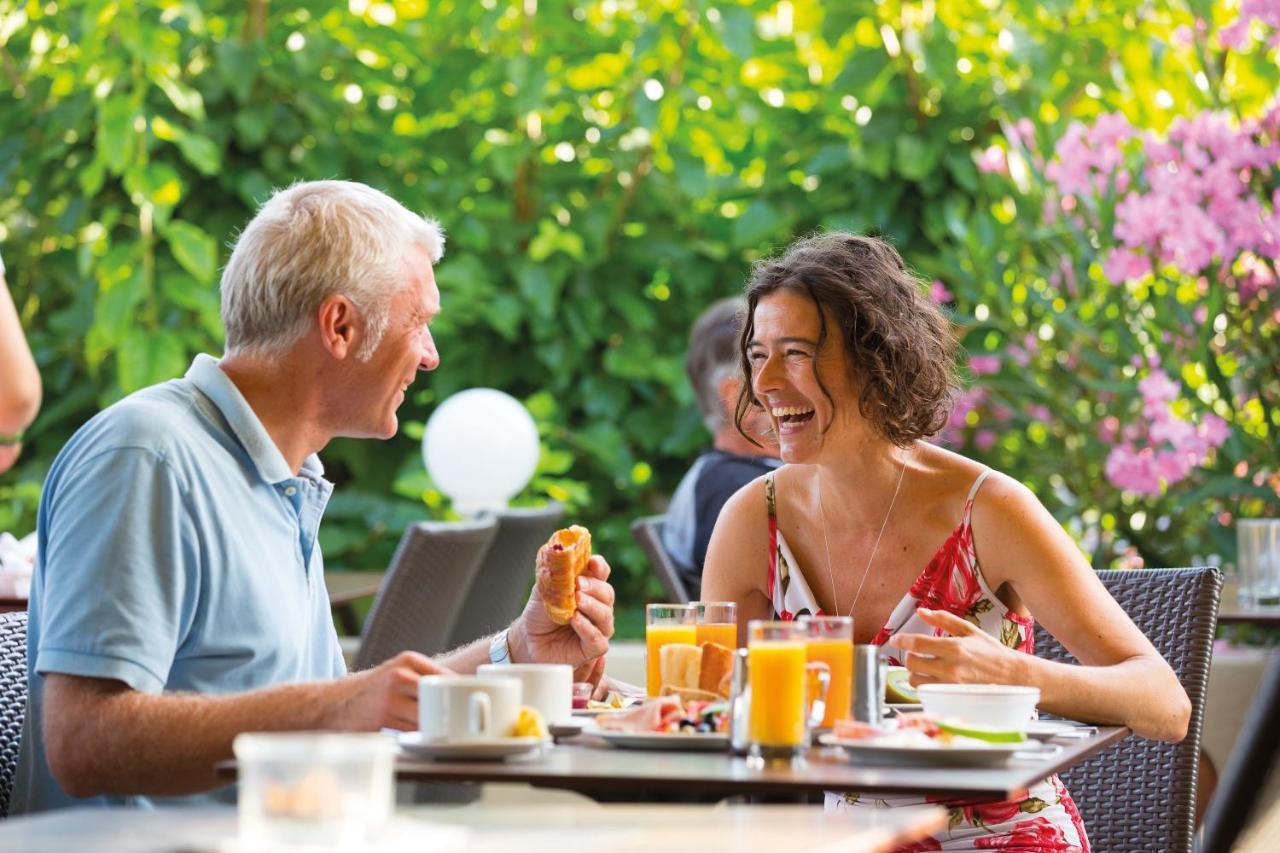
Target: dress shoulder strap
[(973, 492), (770, 498)]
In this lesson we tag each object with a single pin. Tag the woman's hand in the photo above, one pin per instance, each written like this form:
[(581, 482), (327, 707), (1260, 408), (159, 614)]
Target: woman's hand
[(968, 656)]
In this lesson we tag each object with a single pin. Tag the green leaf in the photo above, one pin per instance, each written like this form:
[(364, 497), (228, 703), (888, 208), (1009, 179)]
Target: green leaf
[(917, 157), (187, 100), (193, 248), (237, 65), (116, 134), (252, 127), (758, 223), (147, 357), (199, 151), (737, 28)]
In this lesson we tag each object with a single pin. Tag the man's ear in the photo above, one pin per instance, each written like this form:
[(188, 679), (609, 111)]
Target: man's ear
[(727, 391), (340, 326)]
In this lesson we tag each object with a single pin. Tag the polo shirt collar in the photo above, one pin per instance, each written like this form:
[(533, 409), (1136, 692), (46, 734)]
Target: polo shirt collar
[(205, 374)]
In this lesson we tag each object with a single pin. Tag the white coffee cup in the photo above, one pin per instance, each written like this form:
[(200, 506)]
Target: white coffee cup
[(467, 706), (548, 687)]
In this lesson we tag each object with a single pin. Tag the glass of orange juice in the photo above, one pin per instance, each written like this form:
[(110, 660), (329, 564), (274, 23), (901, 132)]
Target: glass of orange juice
[(663, 624), (830, 639), (778, 674), (717, 622)]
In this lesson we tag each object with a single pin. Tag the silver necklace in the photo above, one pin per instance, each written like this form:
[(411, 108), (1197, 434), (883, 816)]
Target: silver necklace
[(827, 546)]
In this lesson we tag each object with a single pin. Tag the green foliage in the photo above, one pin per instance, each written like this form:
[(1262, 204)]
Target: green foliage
[(605, 171)]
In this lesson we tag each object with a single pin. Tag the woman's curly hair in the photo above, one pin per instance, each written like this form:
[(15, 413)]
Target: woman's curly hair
[(898, 344)]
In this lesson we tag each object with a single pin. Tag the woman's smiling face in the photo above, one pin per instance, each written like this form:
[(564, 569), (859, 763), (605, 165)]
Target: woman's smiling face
[(785, 368)]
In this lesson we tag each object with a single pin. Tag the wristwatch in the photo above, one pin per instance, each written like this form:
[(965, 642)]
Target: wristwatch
[(499, 651)]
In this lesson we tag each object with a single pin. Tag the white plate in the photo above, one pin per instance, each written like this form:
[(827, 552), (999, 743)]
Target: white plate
[(468, 749), (871, 752), (903, 707), (1050, 729), (599, 712), (694, 741)]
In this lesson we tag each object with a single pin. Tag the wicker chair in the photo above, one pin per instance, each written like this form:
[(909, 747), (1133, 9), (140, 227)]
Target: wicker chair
[(1141, 794), (1245, 777), (13, 698), (647, 532), (418, 602), (500, 587)]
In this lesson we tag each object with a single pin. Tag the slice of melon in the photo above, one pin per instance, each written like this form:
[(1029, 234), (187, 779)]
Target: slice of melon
[(897, 689), (981, 732)]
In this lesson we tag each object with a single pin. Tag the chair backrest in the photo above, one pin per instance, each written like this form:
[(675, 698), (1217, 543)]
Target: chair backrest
[(13, 698), (501, 586), (418, 602), (1252, 760), (647, 532), (1141, 794)]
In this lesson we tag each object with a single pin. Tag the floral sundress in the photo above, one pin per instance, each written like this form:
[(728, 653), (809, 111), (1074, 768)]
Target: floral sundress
[(1045, 819)]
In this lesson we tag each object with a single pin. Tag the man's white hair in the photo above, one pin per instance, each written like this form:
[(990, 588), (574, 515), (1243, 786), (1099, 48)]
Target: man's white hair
[(313, 240)]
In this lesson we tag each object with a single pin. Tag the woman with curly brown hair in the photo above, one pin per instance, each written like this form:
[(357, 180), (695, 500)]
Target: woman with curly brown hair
[(933, 555)]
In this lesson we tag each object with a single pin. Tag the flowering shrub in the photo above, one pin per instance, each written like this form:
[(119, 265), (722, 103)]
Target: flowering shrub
[(1125, 362)]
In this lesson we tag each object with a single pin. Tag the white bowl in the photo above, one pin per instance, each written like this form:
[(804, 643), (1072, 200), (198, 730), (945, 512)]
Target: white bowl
[(999, 706)]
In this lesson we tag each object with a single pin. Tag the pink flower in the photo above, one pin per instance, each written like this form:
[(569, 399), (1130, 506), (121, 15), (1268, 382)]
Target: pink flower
[(1158, 387), (1235, 36), (1132, 470), (1215, 430), (992, 160), (1123, 265), (984, 365), (1025, 132), (938, 292), (984, 439)]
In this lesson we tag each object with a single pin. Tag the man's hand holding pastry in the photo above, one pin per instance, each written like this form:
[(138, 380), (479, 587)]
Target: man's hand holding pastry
[(568, 619)]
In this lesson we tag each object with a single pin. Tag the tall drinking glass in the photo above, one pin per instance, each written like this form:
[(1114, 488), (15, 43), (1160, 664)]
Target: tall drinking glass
[(829, 639), (717, 622), (778, 674), (1258, 562), (663, 624)]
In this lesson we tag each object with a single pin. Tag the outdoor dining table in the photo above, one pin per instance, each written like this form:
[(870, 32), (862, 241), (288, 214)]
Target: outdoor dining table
[(589, 765), (501, 828)]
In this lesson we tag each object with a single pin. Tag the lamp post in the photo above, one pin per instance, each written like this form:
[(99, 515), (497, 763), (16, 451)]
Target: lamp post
[(480, 448)]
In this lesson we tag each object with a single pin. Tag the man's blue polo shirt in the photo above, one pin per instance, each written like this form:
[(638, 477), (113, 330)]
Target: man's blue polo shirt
[(177, 552)]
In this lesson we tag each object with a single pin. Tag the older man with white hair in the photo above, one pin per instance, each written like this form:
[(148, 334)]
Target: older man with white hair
[(179, 596)]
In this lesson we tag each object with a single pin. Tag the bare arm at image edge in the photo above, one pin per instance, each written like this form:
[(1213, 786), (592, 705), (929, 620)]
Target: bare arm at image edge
[(19, 378)]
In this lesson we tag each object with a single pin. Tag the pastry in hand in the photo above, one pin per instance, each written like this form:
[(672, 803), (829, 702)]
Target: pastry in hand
[(560, 561)]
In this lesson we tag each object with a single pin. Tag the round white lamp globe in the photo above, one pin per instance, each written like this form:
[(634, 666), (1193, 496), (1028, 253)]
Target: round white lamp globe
[(480, 449)]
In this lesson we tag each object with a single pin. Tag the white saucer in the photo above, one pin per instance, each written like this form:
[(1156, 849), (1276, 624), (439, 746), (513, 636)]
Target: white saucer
[(682, 741), (468, 749)]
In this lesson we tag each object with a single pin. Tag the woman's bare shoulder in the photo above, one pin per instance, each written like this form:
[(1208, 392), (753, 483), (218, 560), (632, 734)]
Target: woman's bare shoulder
[(749, 504), (948, 477)]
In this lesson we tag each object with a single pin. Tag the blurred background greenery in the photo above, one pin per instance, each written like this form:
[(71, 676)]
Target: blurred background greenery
[(605, 170)]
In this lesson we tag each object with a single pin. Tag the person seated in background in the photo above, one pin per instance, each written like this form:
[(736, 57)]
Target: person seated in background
[(178, 597), (733, 461), (19, 380), (942, 560)]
